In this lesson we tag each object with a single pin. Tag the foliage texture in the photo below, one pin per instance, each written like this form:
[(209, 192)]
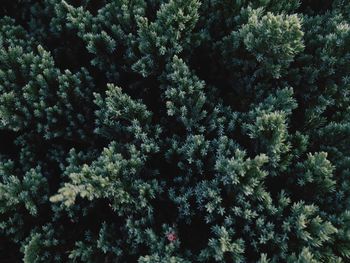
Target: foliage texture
[(175, 131)]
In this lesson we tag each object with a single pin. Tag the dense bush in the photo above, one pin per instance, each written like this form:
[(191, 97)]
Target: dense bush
[(175, 131)]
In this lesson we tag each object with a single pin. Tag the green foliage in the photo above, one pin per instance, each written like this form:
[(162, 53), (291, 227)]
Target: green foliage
[(114, 178), (317, 170), (184, 96), (168, 35), (174, 131), (270, 42)]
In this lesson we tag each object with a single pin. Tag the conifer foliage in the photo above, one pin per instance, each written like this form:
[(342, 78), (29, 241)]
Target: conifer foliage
[(175, 131)]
